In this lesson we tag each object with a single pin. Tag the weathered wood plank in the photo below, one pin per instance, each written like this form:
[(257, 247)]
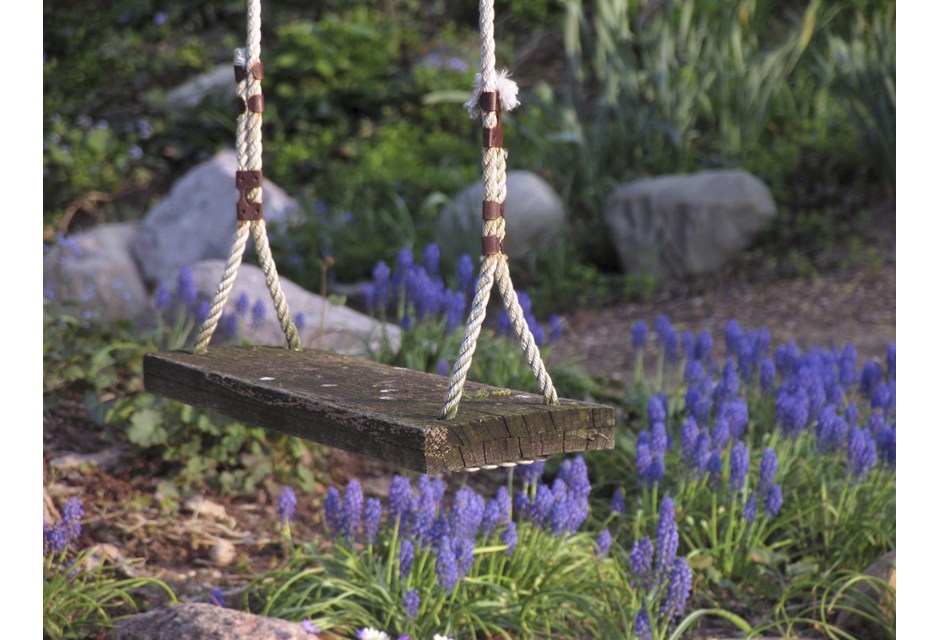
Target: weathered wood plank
[(385, 412)]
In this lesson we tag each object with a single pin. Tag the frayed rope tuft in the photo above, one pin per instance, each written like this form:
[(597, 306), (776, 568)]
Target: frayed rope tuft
[(508, 93)]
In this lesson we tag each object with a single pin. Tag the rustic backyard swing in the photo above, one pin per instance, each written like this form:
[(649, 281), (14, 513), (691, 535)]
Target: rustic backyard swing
[(360, 405)]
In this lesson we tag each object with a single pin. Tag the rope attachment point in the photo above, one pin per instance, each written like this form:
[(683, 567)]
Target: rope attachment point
[(492, 92), (247, 181)]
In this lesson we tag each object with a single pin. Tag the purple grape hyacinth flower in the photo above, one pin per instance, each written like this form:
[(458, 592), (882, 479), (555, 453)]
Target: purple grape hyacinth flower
[(498, 511), (603, 544), (702, 453), (333, 510), (714, 468), (58, 537), (509, 538), (768, 469), (667, 338), (678, 590), (381, 274), (446, 565), (703, 346), (750, 509), (687, 438), (721, 433), (432, 259), (531, 474), (370, 520), (773, 501), (310, 628), (870, 378), (399, 498), (465, 271), (667, 537), (186, 287), (768, 373), (286, 504), (659, 439), (861, 453), (161, 298), (641, 560), (656, 408), (216, 597), (406, 556), (616, 501), (412, 602), (638, 335), (641, 626), (740, 463), (352, 510), (242, 305)]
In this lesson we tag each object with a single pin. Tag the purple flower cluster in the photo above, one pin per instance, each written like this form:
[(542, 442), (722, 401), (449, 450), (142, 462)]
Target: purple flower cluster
[(419, 518), (814, 391), (658, 573), (561, 507), (417, 292), (346, 517), (182, 301), (61, 534)]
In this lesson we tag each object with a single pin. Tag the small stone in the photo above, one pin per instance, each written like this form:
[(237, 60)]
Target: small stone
[(201, 620), (222, 553), (199, 506), (880, 591), (77, 461)]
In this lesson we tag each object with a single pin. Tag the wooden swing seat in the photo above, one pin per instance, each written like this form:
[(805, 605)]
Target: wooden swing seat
[(385, 412)]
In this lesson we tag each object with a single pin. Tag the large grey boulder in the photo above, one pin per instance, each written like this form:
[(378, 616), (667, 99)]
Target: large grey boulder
[(343, 329), (677, 226), (204, 621), (96, 271), (535, 216), (196, 220)]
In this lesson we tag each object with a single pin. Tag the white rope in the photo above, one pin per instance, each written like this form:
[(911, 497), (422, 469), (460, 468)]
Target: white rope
[(494, 267), (249, 152)]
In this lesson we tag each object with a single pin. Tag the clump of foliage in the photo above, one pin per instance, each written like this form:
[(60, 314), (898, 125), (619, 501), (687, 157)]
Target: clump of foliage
[(82, 594)]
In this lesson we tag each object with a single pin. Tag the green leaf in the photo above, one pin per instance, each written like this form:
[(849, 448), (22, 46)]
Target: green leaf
[(146, 429)]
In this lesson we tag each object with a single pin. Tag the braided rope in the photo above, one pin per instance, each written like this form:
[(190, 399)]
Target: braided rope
[(494, 267), (225, 288), (249, 148), (258, 228)]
